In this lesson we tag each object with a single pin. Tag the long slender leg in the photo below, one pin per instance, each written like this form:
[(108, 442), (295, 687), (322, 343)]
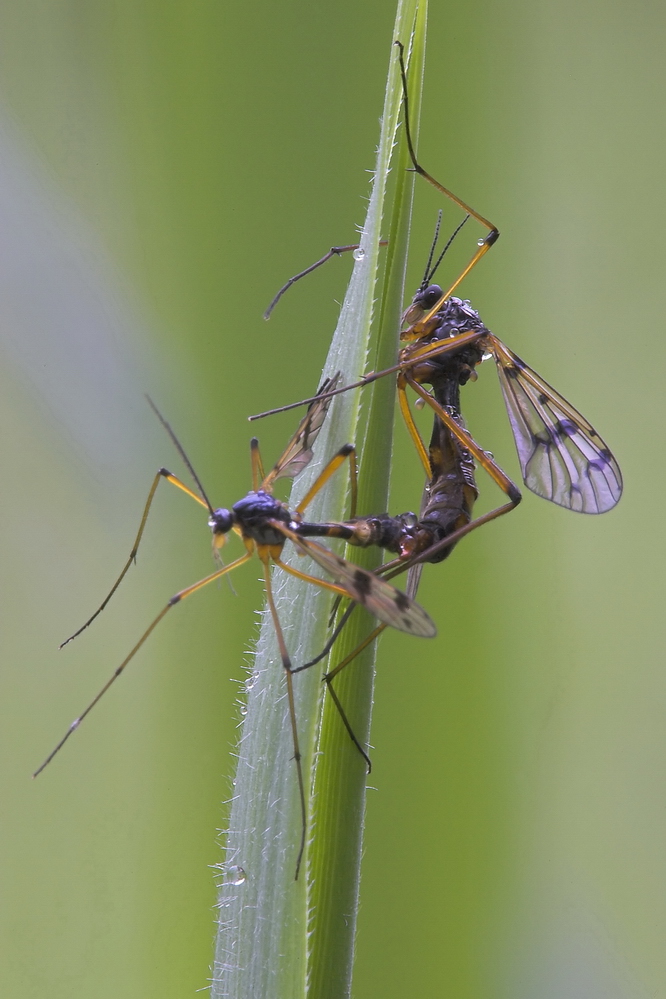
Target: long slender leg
[(395, 568), (430, 350), (328, 677), (493, 231), (163, 473), (341, 710), (288, 675), (346, 451), (390, 570), (466, 439), (413, 431), (330, 641), (335, 251), (181, 595), (324, 583)]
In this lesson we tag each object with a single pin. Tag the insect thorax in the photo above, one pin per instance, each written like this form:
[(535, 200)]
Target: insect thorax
[(253, 513)]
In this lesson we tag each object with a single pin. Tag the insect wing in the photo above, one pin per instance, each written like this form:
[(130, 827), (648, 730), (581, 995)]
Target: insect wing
[(562, 457), (380, 598), (298, 452)]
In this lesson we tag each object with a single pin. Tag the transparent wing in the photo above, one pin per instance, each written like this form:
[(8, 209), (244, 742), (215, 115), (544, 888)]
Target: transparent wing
[(561, 455), (380, 598), (298, 452)]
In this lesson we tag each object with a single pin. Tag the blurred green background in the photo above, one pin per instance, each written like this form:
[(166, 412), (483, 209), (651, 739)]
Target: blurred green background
[(163, 168)]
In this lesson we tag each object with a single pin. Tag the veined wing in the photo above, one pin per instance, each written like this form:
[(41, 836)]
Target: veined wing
[(298, 452), (562, 457), (380, 598)]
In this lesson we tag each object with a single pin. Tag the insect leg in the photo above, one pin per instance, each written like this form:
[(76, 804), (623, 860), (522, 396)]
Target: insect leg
[(412, 428), (346, 451), (114, 676), (288, 674), (493, 231), (331, 640), (163, 473), (257, 464), (463, 435), (324, 583), (430, 350), (335, 251)]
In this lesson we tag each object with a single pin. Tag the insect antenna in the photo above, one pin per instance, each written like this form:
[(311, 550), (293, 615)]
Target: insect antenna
[(428, 276), (181, 451)]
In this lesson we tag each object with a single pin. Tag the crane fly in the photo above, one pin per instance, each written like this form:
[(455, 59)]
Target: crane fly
[(264, 524), (446, 514), (562, 457)]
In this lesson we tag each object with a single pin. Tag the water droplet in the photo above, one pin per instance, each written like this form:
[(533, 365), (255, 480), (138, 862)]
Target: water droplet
[(251, 681), (358, 253), (243, 710), (420, 403), (231, 874), (235, 876), (480, 242)]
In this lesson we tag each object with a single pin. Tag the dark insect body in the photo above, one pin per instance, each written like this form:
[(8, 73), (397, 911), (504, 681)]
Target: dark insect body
[(264, 524), (446, 513), (562, 457)]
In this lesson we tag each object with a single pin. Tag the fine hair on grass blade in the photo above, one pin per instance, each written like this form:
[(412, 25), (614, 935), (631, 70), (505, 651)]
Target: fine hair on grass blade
[(279, 937)]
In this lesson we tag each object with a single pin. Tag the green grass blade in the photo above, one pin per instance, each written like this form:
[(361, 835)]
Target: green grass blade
[(276, 936), (340, 776)]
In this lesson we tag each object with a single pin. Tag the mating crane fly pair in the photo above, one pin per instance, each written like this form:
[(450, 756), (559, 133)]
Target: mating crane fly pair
[(561, 456)]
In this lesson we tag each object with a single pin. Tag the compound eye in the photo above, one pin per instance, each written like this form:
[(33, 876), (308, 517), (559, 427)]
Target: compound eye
[(430, 296), (221, 521)]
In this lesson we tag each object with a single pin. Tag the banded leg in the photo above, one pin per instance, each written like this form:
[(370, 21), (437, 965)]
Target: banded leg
[(181, 595), (163, 473), (493, 231)]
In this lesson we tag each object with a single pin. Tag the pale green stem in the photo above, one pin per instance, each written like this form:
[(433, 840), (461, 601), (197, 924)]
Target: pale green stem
[(280, 938)]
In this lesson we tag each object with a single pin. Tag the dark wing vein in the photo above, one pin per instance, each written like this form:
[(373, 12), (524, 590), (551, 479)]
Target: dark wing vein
[(380, 598), (298, 452), (562, 457)]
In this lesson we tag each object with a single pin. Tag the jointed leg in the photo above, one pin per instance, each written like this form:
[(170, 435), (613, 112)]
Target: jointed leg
[(174, 600), (412, 428), (324, 583), (288, 671), (163, 473), (346, 451), (493, 232), (467, 441), (335, 251)]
